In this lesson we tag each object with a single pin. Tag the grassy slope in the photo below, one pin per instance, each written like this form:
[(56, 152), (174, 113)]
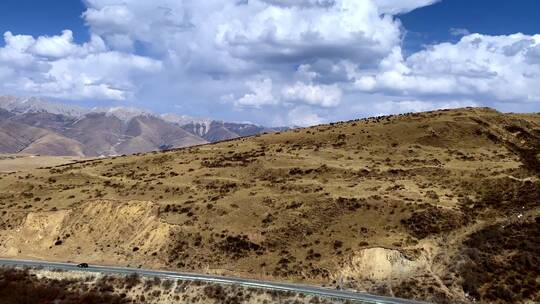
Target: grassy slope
[(304, 205)]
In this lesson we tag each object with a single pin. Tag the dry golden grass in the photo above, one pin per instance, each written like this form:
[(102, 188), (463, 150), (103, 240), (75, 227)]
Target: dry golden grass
[(307, 205)]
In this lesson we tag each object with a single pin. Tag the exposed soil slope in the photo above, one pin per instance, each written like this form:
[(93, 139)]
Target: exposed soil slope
[(426, 206)]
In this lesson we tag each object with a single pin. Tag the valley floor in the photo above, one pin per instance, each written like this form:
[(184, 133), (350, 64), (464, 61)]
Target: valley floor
[(20, 162)]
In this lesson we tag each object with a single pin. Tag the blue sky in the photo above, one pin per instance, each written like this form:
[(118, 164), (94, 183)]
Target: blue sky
[(35, 17), (432, 24), (274, 61)]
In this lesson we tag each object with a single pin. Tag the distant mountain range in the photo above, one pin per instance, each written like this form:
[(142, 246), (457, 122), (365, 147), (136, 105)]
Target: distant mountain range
[(37, 126)]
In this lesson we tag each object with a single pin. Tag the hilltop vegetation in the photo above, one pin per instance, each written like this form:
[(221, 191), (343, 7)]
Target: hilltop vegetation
[(440, 206)]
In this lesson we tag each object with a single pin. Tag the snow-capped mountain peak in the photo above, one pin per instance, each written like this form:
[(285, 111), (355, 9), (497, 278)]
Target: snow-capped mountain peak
[(123, 113), (22, 105)]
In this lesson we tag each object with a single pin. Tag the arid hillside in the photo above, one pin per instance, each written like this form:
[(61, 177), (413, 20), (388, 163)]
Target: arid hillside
[(441, 206)]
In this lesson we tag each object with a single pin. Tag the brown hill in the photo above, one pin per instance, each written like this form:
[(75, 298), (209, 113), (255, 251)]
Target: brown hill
[(441, 206), (98, 133), (148, 133), (33, 125), (15, 137), (53, 122), (94, 134), (5, 114), (55, 145)]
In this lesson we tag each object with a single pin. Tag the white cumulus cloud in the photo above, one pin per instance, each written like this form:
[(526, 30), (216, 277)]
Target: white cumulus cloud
[(303, 117), (478, 66), (56, 66), (317, 95), (260, 95), (401, 6), (293, 61)]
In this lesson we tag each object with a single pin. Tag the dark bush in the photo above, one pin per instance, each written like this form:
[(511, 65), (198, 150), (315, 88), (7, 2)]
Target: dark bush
[(19, 286), (434, 220)]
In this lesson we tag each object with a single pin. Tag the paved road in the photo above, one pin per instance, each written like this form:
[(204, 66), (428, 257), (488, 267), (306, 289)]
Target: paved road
[(305, 289)]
